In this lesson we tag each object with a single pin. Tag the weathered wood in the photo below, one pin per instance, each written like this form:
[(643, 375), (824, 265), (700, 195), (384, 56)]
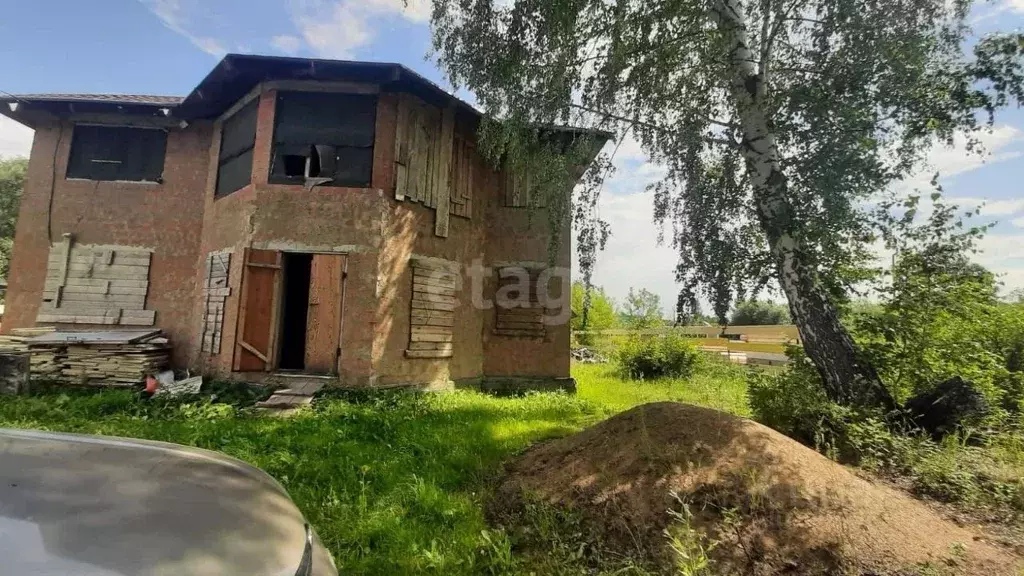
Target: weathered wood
[(423, 329), (252, 350), (255, 314), (520, 333), (98, 271), (53, 282), (430, 337), (505, 325), (421, 305), (402, 148), (428, 297), (106, 289), (443, 171), (323, 320), (443, 346), (217, 292), (427, 354), (432, 289)]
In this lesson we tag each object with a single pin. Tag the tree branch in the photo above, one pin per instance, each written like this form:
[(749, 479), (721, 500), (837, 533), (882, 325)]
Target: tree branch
[(635, 122)]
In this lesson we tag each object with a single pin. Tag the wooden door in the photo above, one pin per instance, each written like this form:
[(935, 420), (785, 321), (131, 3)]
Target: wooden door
[(323, 321), (257, 321)]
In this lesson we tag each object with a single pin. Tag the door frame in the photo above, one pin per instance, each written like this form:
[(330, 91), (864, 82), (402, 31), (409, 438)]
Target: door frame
[(274, 349)]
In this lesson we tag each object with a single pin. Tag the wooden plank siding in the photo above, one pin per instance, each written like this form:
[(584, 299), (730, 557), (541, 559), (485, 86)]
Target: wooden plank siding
[(433, 162), (431, 321), (90, 284), (522, 315)]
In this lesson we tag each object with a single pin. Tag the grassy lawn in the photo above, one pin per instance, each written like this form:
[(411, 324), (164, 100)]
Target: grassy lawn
[(393, 483)]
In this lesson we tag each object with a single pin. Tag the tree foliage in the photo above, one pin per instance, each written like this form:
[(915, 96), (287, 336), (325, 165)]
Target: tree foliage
[(759, 313), (939, 314), (775, 119), (12, 181), (600, 315), (642, 309)]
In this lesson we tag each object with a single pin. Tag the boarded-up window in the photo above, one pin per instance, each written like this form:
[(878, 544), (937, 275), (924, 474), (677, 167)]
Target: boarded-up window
[(434, 284), (518, 311), (88, 284), (326, 136), (117, 153), (215, 293), (520, 192), (424, 150), (237, 140)]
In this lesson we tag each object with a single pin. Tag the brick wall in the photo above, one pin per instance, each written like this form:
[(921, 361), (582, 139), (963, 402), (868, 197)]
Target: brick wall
[(182, 221), (166, 217)]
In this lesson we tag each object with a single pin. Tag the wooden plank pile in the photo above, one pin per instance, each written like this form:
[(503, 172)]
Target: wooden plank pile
[(114, 358), (43, 364), (433, 309)]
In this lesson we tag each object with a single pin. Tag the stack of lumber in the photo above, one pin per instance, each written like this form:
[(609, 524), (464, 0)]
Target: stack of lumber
[(43, 364), (114, 358)]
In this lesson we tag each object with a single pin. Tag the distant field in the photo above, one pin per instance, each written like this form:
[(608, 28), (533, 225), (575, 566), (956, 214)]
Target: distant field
[(771, 339)]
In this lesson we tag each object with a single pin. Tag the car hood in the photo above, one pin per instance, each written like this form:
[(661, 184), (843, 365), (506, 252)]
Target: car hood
[(93, 505)]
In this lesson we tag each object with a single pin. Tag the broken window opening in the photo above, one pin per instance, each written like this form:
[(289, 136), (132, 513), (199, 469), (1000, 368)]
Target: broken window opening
[(323, 138)]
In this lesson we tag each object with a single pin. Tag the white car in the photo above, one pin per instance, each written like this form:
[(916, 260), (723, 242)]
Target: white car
[(101, 506)]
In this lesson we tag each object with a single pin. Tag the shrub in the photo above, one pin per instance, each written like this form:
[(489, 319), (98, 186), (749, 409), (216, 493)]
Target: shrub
[(757, 313), (645, 356), (793, 402)]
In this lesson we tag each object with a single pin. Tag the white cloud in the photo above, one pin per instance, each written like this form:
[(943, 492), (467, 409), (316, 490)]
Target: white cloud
[(337, 28), (1018, 222), (15, 139), (953, 160), (633, 257), (1004, 255), (989, 207), (287, 44), (175, 15)]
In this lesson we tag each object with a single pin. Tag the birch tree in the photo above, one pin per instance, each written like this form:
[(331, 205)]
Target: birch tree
[(777, 120)]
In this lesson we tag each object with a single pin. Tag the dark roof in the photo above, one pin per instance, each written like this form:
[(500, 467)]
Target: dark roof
[(113, 98), (234, 77)]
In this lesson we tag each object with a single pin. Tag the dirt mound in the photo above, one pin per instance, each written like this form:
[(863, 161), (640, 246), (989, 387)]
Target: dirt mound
[(774, 505)]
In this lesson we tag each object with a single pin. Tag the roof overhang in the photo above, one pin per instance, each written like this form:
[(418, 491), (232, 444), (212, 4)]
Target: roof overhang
[(235, 76)]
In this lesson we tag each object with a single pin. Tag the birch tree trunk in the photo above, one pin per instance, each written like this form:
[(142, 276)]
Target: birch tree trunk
[(847, 379)]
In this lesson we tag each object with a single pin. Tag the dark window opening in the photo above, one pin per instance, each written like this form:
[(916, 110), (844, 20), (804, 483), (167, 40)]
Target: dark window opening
[(324, 136), (295, 307), (237, 140), (117, 153)]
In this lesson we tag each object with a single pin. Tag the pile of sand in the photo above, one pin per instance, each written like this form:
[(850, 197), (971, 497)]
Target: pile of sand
[(775, 506)]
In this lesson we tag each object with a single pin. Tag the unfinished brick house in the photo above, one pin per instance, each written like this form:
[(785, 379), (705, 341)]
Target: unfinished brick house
[(287, 216)]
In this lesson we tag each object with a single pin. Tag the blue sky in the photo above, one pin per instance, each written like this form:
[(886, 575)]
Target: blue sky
[(167, 46)]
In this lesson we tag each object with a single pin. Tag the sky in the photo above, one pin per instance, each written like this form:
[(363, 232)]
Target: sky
[(166, 47)]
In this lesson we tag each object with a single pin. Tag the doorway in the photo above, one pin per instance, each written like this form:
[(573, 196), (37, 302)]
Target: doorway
[(290, 313), (294, 311)]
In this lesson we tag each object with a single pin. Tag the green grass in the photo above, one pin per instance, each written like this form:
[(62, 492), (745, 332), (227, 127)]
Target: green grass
[(394, 483)]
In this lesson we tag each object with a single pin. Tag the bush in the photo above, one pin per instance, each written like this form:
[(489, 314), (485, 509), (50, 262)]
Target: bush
[(757, 313), (670, 355), (793, 402)]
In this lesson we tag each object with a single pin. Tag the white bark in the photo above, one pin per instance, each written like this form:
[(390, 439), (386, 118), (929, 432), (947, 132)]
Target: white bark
[(826, 342)]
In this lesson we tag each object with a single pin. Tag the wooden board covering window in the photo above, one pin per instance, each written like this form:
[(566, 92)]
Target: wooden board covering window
[(215, 293), (434, 285), (427, 169), (522, 315), (463, 157), (261, 284), (323, 320), (90, 284)]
